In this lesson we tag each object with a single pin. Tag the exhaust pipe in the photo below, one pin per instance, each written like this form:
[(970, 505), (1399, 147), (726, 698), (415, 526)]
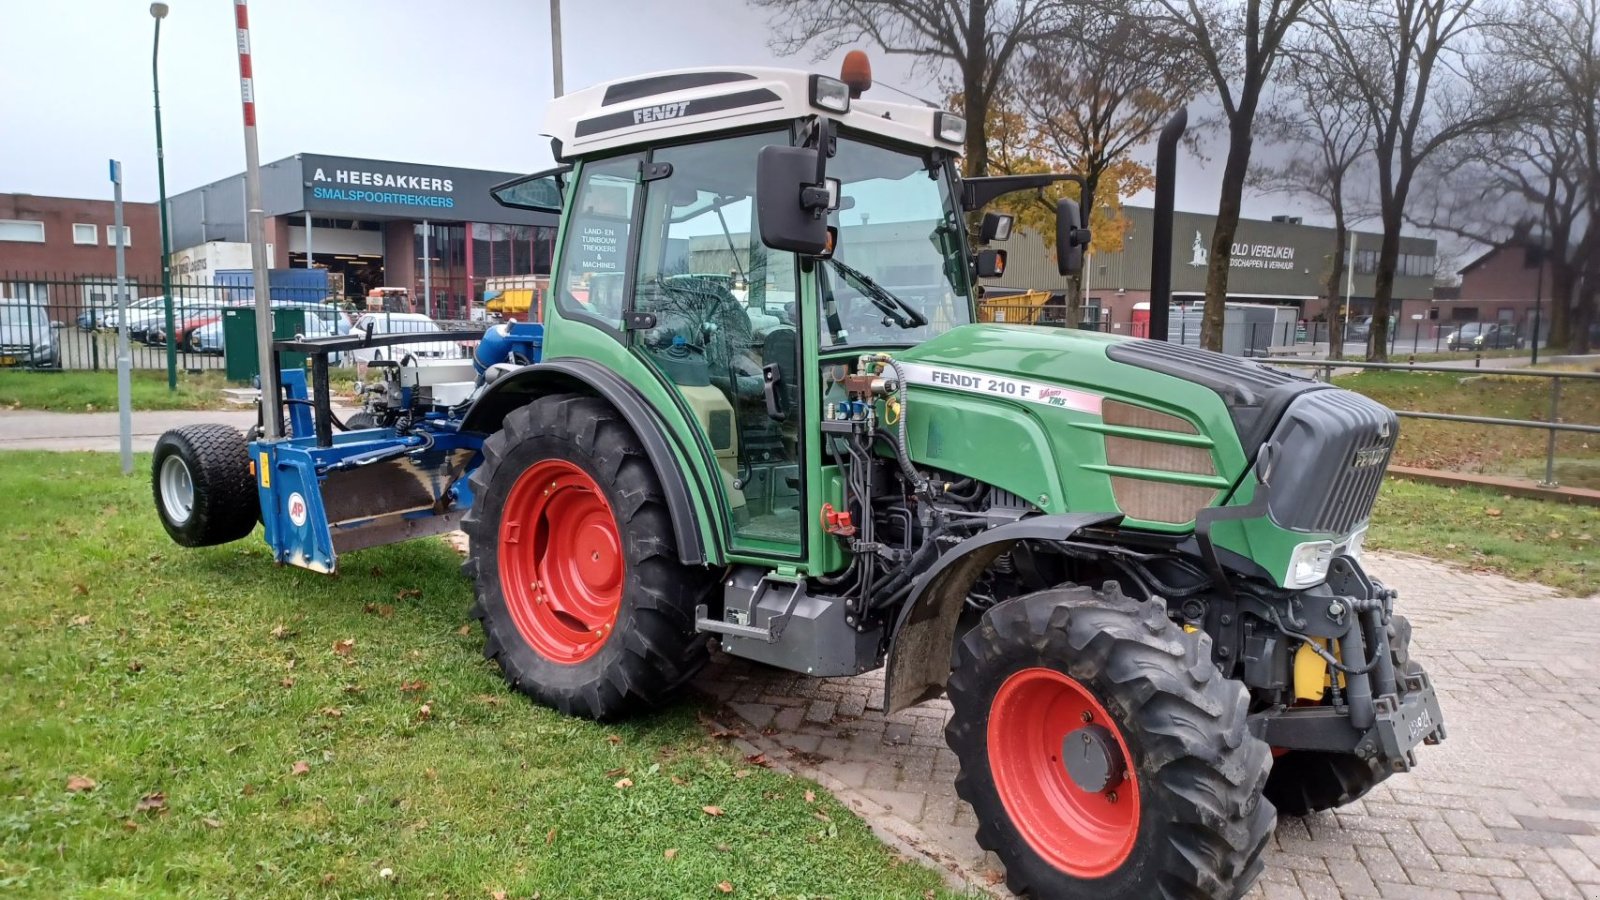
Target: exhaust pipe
[(1161, 236)]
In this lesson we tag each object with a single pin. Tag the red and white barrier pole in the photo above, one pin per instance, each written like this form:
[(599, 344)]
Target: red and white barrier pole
[(272, 418)]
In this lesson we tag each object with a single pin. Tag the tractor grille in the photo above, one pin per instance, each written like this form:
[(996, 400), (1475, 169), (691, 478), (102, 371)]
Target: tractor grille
[(1329, 454)]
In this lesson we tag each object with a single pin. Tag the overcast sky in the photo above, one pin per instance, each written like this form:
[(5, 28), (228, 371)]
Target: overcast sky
[(460, 83)]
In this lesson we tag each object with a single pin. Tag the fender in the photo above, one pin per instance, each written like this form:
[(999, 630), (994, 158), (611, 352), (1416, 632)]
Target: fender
[(925, 632), (522, 386)]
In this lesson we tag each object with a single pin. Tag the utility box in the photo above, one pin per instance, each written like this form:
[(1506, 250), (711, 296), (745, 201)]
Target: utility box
[(239, 339)]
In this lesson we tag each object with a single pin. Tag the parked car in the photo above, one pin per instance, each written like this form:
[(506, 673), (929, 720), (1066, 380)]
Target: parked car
[(320, 321), (401, 323), (136, 309), (28, 337), (1483, 336), (143, 325)]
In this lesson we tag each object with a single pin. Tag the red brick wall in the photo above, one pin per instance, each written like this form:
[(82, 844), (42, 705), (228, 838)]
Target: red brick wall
[(59, 257), (1500, 276)]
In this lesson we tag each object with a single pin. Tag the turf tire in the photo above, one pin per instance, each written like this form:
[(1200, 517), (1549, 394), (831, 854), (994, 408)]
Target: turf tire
[(225, 506)]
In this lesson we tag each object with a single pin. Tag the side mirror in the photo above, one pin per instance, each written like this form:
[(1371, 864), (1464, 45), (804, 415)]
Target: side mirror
[(990, 263), (1071, 237), (791, 202), (996, 227)]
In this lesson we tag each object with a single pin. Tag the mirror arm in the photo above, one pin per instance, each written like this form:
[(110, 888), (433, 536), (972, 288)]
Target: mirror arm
[(976, 193)]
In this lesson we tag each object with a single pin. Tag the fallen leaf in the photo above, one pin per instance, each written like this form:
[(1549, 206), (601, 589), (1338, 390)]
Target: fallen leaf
[(811, 796), (333, 712), (281, 633), (550, 837), (152, 802), (135, 666), (464, 630), (712, 810), (353, 689), (286, 682), (994, 877), (300, 768), (328, 878), (383, 610), (412, 687), (425, 712), (489, 700), (77, 783), (497, 895), (671, 854), (725, 887), (344, 647), (623, 783), (821, 816), (758, 759), (130, 825), (431, 774), (742, 773), (613, 739), (724, 848), (1554, 535), (1492, 513), (80, 589), (81, 621), (678, 781), (211, 823), (248, 790)]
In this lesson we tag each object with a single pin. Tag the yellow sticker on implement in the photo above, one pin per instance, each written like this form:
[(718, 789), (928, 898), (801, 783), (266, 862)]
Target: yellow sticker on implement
[(266, 472)]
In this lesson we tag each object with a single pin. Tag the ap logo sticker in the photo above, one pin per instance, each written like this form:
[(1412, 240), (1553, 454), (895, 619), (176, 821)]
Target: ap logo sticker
[(297, 509)]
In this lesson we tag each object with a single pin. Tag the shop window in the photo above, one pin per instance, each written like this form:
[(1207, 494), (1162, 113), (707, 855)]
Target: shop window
[(86, 234), (22, 230)]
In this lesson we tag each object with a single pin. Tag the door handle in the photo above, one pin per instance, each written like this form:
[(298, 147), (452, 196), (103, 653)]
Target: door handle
[(771, 382)]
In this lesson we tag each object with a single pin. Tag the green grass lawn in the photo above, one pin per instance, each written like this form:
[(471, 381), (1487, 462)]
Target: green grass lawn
[(97, 391), (1553, 543), (237, 746)]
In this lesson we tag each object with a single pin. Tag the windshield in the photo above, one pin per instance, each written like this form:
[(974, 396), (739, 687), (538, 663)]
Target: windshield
[(900, 233), (1471, 329)]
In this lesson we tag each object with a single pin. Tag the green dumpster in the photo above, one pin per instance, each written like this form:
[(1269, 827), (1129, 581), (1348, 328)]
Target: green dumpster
[(239, 339)]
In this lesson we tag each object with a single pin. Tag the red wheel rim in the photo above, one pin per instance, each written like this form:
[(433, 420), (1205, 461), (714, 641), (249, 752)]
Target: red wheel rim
[(560, 561), (1086, 835)]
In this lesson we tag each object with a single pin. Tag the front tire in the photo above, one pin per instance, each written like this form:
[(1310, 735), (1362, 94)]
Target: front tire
[(583, 601), (1160, 795), (204, 492)]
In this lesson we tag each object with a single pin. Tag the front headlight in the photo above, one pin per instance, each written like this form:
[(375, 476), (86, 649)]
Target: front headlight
[(1308, 565), (950, 128), (830, 94)]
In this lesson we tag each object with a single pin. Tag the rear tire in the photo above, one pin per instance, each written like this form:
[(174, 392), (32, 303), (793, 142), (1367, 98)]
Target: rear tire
[(204, 492), (583, 601), (1188, 821)]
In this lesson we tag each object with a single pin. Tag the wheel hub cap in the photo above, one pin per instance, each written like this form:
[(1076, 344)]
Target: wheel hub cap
[(1092, 758)]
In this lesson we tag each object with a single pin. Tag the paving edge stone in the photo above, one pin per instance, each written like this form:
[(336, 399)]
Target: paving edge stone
[(898, 834)]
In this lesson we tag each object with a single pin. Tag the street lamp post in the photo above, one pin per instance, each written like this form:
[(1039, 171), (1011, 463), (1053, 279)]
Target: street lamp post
[(158, 11)]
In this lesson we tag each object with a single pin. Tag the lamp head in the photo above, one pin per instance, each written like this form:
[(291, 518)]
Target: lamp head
[(158, 10)]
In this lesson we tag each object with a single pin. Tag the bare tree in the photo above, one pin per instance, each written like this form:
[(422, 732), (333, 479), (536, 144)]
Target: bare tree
[(1408, 62), (980, 38), (1237, 43), (1096, 96), (1327, 135)]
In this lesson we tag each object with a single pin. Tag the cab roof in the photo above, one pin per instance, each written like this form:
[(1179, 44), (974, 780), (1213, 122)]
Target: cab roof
[(664, 106)]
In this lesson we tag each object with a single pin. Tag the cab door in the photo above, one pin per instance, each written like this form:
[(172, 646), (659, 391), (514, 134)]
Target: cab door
[(714, 315)]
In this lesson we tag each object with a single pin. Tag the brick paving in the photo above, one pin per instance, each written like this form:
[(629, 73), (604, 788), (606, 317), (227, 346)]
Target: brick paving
[(1508, 806)]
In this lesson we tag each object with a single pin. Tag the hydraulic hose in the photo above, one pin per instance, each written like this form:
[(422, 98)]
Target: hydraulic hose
[(918, 483)]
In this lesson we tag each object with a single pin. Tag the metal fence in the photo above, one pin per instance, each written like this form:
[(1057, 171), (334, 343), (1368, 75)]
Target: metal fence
[(51, 323), (1552, 425)]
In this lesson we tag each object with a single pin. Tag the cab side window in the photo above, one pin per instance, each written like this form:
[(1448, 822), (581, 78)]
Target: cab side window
[(594, 257)]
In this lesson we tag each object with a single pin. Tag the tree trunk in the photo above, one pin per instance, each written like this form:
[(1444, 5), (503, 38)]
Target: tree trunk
[(1383, 283), (1233, 175), (1583, 316), (1336, 312), (975, 89), (1558, 301)]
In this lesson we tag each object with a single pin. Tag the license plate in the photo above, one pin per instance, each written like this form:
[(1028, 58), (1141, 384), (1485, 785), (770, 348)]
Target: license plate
[(8, 360)]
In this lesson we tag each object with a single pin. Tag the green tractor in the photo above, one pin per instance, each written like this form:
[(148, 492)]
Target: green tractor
[(762, 411)]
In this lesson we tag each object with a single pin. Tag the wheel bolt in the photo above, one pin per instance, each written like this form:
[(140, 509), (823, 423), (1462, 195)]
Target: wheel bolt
[(1111, 797), (1087, 716)]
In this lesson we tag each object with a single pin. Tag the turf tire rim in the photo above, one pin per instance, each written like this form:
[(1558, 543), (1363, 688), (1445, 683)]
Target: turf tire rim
[(177, 489), (1086, 835), (561, 566)]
